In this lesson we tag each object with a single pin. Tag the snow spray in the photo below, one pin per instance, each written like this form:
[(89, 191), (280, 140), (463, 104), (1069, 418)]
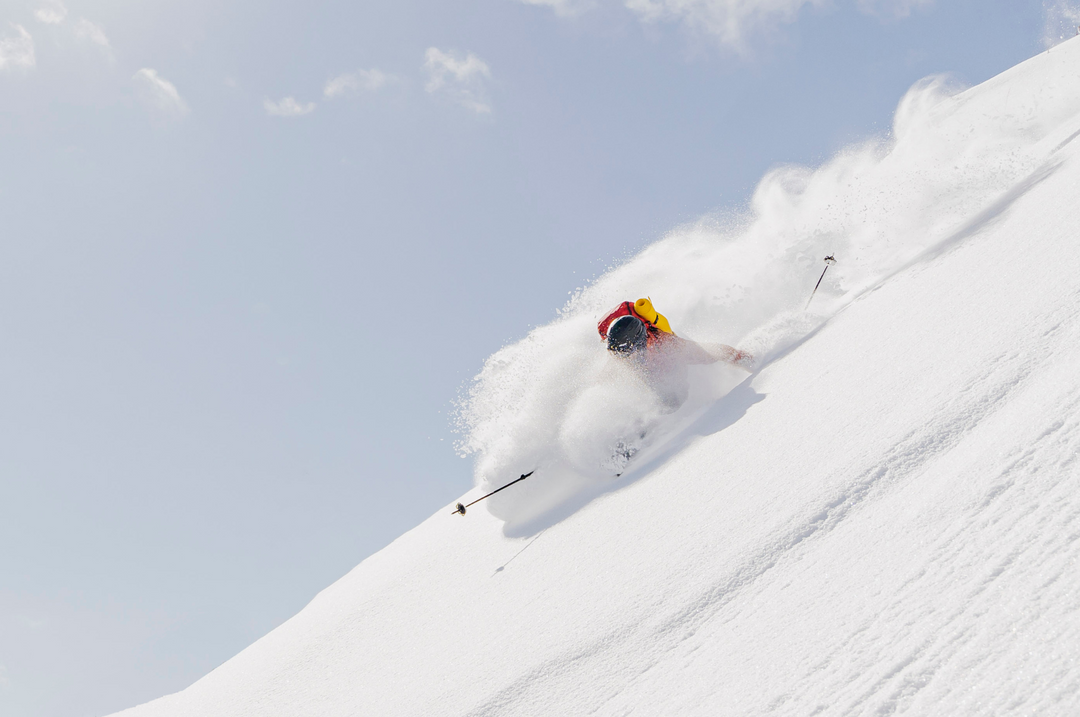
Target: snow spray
[(556, 397)]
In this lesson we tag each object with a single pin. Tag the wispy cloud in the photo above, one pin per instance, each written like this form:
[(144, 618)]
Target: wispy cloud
[(1062, 22), (159, 95), (287, 107), (460, 78), (86, 30), (370, 80), (17, 50), (732, 22), (52, 13), (564, 8)]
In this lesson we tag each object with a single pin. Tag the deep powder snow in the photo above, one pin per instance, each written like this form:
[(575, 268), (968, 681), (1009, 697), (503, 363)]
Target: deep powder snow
[(555, 403)]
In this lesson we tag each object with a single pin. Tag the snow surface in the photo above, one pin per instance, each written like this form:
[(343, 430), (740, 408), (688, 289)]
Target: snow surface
[(883, 518)]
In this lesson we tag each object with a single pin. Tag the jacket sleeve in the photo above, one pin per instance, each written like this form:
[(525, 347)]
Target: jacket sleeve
[(692, 351)]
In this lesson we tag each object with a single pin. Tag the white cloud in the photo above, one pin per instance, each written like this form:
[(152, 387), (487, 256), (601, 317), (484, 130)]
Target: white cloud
[(1062, 22), (51, 13), (17, 50), (159, 95), (288, 107), (460, 78), (564, 8), (351, 81), (86, 30), (735, 22), (731, 21)]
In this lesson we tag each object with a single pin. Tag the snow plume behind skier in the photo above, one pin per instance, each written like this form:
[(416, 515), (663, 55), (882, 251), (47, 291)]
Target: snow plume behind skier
[(556, 402)]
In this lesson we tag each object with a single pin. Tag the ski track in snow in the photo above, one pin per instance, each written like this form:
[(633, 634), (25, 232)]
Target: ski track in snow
[(883, 519)]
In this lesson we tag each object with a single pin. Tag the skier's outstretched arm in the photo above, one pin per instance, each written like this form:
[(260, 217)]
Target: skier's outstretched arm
[(733, 356), (711, 353)]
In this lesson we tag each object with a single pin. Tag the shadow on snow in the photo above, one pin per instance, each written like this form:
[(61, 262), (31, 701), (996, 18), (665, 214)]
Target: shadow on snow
[(721, 414)]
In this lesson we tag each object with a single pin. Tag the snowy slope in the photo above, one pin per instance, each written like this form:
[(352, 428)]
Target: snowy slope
[(884, 518)]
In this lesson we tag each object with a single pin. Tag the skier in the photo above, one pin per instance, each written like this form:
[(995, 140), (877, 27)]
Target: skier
[(635, 331)]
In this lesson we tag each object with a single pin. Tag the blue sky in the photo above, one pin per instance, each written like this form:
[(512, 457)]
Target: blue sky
[(253, 252)]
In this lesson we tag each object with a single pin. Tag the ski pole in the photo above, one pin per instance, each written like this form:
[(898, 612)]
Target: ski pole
[(829, 261), (461, 508)]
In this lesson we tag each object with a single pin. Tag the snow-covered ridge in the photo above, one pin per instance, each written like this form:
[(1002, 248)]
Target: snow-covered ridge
[(883, 519)]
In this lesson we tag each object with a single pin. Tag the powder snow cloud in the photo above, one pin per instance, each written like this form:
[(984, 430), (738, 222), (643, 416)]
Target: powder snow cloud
[(287, 107), (17, 49), (159, 96), (462, 79), (1062, 21)]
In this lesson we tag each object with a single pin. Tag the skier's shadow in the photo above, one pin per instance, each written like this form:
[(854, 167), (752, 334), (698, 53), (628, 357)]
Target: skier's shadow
[(723, 413), (726, 411)]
